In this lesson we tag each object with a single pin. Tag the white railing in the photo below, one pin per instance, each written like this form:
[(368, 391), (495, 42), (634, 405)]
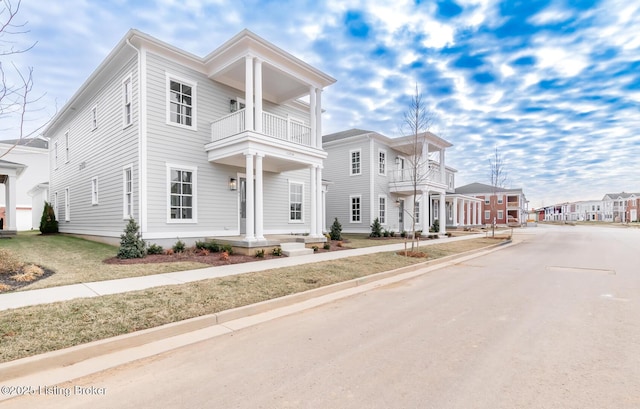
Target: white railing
[(228, 125), (272, 125), (406, 175)]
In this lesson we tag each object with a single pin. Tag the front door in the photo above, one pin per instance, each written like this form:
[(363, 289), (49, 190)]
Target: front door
[(401, 216), (243, 205)]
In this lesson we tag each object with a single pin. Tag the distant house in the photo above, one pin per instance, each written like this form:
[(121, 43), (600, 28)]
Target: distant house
[(623, 206), (191, 147), (506, 206), (24, 166), (374, 178)]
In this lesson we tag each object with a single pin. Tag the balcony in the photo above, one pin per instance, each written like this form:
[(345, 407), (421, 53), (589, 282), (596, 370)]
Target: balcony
[(273, 126), (402, 180)]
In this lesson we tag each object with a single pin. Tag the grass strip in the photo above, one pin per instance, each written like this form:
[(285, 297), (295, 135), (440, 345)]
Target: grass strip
[(37, 329)]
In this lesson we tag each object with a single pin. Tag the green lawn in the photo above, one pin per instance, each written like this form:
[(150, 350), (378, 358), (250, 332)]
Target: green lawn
[(77, 260)]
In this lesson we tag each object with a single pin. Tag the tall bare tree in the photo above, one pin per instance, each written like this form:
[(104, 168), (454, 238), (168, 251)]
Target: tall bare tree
[(498, 177), (416, 122), (15, 94)]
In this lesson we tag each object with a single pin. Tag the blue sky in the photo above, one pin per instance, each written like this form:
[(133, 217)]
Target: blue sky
[(554, 85)]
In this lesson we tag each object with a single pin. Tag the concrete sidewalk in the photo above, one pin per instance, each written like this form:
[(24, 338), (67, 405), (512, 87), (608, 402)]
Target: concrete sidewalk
[(99, 288)]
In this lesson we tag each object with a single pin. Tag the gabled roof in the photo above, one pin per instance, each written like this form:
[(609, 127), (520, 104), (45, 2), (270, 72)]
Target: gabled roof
[(399, 144), (622, 195), (482, 188), (344, 134), (32, 142)]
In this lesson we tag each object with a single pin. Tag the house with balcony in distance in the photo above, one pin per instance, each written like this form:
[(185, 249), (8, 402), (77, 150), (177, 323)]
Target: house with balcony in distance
[(508, 206), (24, 174), (374, 177), (225, 145), (623, 206)]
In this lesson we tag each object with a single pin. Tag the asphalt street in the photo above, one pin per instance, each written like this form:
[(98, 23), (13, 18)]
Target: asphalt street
[(549, 323)]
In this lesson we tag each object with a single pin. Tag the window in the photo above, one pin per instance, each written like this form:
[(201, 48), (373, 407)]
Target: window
[(486, 200), (500, 198), (127, 209), (94, 191), (355, 162), (55, 154), (67, 205), (449, 211), (181, 103), (127, 116), (436, 210), (295, 201), (66, 146), (355, 209), (487, 214), (500, 215), (55, 205), (182, 194), (416, 212), (450, 181), (382, 209), (94, 117), (382, 162)]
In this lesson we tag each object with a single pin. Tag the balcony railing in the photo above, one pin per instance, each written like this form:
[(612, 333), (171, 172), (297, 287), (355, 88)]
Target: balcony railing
[(272, 125), (407, 175)]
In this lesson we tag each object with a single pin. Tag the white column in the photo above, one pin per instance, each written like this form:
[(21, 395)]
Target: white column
[(443, 177), (248, 94), (443, 214), (249, 235), (313, 117), (468, 213), (10, 199), (424, 214), (259, 199), (454, 211), (480, 213), (319, 118), (313, 223), (461, 221), (474, 211), (258, 91), (319, 207)]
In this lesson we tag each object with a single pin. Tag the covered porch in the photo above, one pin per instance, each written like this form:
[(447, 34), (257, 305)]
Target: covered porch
[(9, 172), (463, 211)]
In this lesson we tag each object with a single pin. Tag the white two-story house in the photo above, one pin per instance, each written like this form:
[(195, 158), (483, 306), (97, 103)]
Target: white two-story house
[(375, 176), (191, 147)]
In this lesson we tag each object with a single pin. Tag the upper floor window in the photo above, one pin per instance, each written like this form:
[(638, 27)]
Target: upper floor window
[(127, 117), (66, 146), (355, 162), (55, 154), (500, 198), (94, 191), (450, 181), (382, 162), (94, 117), (295, 202), (181, 102), (486, 200)]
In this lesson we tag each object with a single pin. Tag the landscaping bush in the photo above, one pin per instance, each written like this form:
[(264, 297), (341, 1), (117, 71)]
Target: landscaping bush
[(392, 233), (155, 249), (48, 222), (210, 246), (327, 246), (403, 234), (315, 249), (9, 263), (131, 243), (435, 227), (277, 251), (179, 247), (336, 230), (260, 253), (227, 249), (376, 228), (385, 233)]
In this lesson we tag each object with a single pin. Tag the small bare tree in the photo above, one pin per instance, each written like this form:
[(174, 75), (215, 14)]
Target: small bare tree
[(417, 121), (498, 177), (15, 96)]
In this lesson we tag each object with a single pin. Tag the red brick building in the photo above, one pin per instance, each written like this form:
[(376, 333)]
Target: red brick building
[(507, 206)]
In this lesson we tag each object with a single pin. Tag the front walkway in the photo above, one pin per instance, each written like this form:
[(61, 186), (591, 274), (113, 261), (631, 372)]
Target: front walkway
[(98, 288)]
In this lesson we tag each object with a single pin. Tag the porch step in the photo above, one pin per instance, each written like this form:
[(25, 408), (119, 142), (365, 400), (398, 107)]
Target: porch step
[(295, 249)]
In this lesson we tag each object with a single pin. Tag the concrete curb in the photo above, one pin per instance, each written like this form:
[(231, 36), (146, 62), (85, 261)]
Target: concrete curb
[(71, 363)]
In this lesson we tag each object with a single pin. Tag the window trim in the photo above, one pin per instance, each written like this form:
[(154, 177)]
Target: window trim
[(359, 197), (125, 202), (487, 200), (417, 211), (194, 190), (500, 199), (94, 117), (67, 205), (382, 218), (194, 94), (55, 154), (301, 220), (382, 164), (66, 146), (127, 102), (351, 152), (94, 191), (500, 215), (55, 205), (487, 215)]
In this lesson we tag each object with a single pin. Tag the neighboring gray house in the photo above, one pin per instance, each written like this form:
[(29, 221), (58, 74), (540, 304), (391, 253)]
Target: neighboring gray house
[(25, 165), (373, 177), (191, 147)]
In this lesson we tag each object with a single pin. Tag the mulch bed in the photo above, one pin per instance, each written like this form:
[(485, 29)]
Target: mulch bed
[(6, 279)]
